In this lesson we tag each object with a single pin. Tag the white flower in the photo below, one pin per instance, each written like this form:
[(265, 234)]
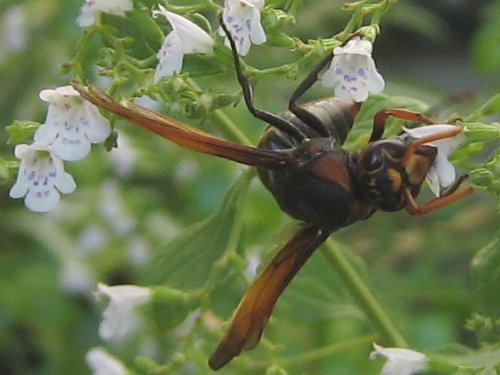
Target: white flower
[(103, 363), (352, 72), (71, 124), (242, 19), (91, 7), (121, 316), (40, 178), (400, 361), (185, 37), (442, 173)]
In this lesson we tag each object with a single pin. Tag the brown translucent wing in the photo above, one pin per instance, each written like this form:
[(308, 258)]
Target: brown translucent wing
[(254, 310), (183, 134)]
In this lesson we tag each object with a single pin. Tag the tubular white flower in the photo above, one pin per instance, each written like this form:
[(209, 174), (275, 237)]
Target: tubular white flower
[(103, 363), (400, 361), (91, 7), (442, 172), (185, 37), (120, 317), (352, 73), (40, 178), (242, 19), (71, 124)]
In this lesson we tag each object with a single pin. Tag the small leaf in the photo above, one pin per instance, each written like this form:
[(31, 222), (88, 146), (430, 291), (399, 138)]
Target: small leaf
[(8, 170), (21, 131), (486, 276), (170, 307), (479, 132)]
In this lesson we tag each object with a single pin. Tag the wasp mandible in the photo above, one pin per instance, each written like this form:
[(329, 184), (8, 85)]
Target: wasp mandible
[(301, 161)]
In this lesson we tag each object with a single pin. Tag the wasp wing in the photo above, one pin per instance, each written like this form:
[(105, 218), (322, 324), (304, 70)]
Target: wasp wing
[(251, 316), (183, 134)]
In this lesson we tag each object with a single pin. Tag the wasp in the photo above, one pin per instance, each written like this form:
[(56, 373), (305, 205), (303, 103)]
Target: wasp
[(300, 160)]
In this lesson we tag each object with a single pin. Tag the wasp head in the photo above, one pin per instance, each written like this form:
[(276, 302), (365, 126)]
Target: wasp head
[(387, 168)]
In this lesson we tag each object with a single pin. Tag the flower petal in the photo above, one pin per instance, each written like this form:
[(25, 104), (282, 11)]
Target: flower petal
[(120, 317), (194, 38), (242, 19), (91, 7), (400, 361), (102, 363), (442, 172), (170, 57)]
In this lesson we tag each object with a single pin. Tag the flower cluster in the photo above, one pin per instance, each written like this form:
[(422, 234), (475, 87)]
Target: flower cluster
[(71, 125)]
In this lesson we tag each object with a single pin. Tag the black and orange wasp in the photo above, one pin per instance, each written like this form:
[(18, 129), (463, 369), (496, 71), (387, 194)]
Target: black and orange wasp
[(300, 160)]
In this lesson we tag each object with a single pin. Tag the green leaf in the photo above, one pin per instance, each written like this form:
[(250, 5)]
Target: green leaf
[(486, 276), (187, 260), (21, 131)]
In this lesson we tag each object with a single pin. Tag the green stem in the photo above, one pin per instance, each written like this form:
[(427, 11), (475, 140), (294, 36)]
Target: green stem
[(364, 298)]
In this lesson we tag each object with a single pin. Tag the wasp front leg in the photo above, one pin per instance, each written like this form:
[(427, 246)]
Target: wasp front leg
[(381, 118), (448, 197)]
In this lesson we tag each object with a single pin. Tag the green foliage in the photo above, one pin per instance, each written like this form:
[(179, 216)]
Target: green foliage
[(393, 279)]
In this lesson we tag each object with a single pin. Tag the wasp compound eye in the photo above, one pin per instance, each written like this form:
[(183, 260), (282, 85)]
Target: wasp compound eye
[(372, 160)]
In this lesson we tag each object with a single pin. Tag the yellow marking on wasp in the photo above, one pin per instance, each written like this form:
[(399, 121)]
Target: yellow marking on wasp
[(395, 178)]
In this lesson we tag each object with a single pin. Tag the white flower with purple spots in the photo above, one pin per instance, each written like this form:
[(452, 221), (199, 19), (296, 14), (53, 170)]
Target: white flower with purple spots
[(185, 38), (121, 316), (41, 178), (92, 7), (72, 124), (242, 19), (442, 172), (400, 361), (352, 73)]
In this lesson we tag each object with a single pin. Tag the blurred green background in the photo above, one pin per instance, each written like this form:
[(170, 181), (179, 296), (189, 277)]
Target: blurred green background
[(131, 202)]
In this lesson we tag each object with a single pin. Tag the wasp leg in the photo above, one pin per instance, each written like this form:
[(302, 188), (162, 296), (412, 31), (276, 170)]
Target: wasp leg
[(450, 196), (251, 316), (427, 139), (185, 135), (303, 114), (276, 121), (381, 117)]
